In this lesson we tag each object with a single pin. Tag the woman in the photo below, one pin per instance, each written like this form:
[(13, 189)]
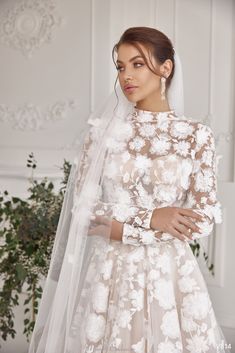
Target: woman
[(122, 275)]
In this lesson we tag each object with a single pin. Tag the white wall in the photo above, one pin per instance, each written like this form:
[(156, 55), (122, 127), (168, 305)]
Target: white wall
[(76, 65)]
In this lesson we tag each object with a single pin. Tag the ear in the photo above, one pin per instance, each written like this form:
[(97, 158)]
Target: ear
[(166, 68)]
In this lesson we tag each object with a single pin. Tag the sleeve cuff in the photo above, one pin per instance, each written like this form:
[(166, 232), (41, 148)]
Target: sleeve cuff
[(137, 236), (142, 219)]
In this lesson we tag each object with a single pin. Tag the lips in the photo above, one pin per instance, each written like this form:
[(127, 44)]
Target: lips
[(129, 88)]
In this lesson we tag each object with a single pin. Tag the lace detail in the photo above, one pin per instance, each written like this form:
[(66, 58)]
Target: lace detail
[(167, 161), (158, 160), (148, 294)]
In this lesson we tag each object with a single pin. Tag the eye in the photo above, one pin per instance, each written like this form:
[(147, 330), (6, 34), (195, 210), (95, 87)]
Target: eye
[(138, 64), (119, 68)]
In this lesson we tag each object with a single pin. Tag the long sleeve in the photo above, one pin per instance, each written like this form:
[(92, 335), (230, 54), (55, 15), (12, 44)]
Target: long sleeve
[(202, 194), (134, 218), (133, 233)]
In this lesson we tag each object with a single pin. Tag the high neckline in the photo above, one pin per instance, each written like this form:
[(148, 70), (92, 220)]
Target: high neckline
[(142, 111), (142, 115)]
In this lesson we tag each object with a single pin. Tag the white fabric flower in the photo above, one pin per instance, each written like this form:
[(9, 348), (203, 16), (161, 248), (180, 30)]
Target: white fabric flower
[(95, 327), (167, 347), (142, 118), (121, 212), (147, 130), (204, 181), (163, 263), (202, 134), (100, 297), (138, 347), (186, 170), (196, 305), (137, 143), (160, 145), (188, 324), (122, 130), (147, 236), (187, 284), (207, 157), (165, 193), (137, 299), (106, 269), (181, 129), (164, 293), (187, 268), (182, 147), (162, 122), (142, 163), (132, 269), (170, 324), (123, 196), (198, 342), (124, 318)]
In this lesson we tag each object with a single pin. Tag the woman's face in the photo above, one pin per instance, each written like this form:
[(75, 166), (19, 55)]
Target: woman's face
[(143, 84)]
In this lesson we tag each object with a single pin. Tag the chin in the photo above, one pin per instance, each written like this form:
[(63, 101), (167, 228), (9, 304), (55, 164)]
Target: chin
[(131, 99)]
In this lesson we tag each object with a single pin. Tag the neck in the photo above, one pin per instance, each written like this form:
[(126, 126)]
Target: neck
[(154, 105)]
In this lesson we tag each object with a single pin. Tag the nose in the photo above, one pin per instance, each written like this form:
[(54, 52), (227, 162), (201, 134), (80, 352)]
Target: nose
[(127, 76)]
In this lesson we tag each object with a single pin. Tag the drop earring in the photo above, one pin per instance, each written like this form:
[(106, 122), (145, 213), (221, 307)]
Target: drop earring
[(163, 87)]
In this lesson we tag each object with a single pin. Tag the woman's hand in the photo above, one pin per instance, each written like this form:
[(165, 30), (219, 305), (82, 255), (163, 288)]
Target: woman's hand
[(174, 220), (103, 227)]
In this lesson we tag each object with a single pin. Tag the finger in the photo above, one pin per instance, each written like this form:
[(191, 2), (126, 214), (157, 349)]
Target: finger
[(183, 230), (190, 213), (177, 234), (95, 230), (189, 224), (102, 220)]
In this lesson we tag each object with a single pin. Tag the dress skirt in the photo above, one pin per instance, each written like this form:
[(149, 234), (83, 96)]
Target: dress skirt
[(147, 299)]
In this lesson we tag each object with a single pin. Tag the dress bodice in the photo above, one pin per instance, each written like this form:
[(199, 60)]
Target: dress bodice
[(159, 159), (151, 158)]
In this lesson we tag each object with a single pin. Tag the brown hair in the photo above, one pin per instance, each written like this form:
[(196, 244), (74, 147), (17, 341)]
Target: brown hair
[(154, 41)]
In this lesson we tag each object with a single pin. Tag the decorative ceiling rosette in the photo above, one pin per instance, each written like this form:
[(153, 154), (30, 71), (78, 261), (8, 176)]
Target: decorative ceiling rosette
[(28, 24)]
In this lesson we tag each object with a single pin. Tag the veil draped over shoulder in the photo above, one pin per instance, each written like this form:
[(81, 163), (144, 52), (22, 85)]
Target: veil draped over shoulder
[(84, 229)]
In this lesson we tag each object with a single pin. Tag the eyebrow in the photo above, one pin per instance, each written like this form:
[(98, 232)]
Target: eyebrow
[(134, 57)]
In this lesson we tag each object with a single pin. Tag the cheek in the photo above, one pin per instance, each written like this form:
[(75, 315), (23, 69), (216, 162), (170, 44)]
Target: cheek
[(121, 79), (146, 76), (152, 83)]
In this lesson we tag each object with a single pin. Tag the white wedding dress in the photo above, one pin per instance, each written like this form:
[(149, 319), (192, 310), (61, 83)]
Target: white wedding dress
[(149, 295)]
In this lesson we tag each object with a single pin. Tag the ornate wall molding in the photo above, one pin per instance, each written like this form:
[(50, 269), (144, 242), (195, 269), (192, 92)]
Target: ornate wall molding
[(31, 117), (29, 24)]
